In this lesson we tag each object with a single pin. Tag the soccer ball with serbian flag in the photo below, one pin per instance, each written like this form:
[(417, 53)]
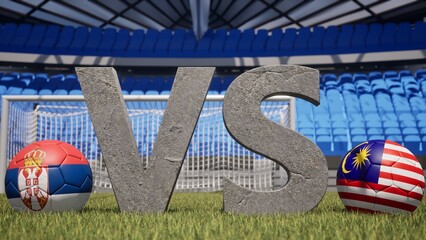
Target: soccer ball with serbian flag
[(380, 176), (48, 175)]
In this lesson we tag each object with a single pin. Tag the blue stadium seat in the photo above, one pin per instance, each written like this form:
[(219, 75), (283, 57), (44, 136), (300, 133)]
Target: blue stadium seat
[(149, 43), (27, 77), (384, 103), (371, 116), (418, 36), (231, 42), (363, 87), (392, 131), (360, 77), (408, 123), (391, 74), (135, 43), (162, 46), (315, 42), (307, 131), (218, 41), (352, 103), (246, 42), (50, 39), (344, 38), (21, 37), (348, 89), (375, 131), (51, 85), (400, 103), (329, 42), (337, 131), (36, 37), (420, 116), (15, 87), (421, 73), (405, 73), (129, 85), (107, 42), (412, 90), (259, 43), (406, 78), (339, 125), (329, 77), (379, 86), (395, 138), (203, 46), (374, 75), (423, 86), (373, 123), (76, 90), (358, 41), (34, 86), (65, 85), (395, 86), (373, 40), (80, 38), (121, 42), (357, 131), (301, 41), (423, 133), (93, 41), (337, 103), (367, 103), (390, 124), (403, 36), (176, 42), (418, 104), (345, 78), (273, 43), (167, 86), (156, 86), (388, 37), (189, 44), (410, 131), (321, 131), (287, 41), (64, 40), (7, 34), (13, 75), (389, 116)]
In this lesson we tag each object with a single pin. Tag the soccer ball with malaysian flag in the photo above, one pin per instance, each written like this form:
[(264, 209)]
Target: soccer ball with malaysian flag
[(380, 176), (48, 175)]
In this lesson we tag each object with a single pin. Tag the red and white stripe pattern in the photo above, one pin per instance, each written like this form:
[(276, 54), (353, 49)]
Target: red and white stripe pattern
[(400, 185)]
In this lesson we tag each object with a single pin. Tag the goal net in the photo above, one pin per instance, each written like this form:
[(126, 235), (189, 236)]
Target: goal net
[(211, 156)]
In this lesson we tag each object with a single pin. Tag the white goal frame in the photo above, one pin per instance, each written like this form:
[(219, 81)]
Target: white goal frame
[(7, 99)]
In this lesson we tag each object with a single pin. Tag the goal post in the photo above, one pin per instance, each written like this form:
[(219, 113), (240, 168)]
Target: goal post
[(212, 153)]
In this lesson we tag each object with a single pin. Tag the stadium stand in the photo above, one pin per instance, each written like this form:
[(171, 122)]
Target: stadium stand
[(358, 38), (373, 105)]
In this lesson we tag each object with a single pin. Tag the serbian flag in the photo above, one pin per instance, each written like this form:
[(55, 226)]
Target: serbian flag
[(380, 176)]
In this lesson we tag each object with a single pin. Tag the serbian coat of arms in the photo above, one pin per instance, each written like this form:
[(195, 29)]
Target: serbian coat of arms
[(33, 181)]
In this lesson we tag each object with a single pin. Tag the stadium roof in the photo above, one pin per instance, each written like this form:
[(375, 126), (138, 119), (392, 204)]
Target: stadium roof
[(242, 14)]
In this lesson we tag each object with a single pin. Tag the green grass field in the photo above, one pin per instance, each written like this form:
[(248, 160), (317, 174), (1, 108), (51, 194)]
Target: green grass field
[(200, 216)]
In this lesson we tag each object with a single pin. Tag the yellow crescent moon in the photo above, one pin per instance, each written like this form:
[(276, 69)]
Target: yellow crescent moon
[(344, 170)]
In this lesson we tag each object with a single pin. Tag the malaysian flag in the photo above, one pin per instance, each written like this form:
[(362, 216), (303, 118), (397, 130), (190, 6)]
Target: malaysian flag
[(380, 176)]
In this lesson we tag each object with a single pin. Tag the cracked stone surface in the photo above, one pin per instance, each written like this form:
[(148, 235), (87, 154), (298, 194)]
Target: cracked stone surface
[(303, 160), (136, 189)]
